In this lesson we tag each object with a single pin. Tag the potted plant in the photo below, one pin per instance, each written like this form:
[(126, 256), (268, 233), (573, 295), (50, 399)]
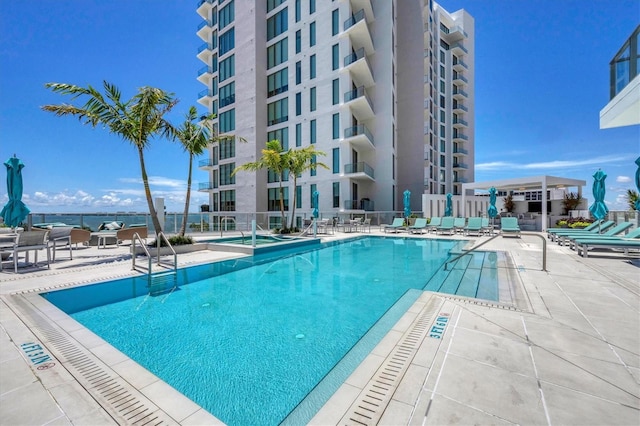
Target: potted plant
[(509, 204)]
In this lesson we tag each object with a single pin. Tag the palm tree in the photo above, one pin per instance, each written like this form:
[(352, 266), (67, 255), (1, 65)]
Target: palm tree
[(632, 198), (275, 159), (301, 160), (194, 140), (137, 120)]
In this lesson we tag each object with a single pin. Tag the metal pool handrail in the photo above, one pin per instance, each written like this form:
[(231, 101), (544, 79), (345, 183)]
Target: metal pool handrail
[(136, 237)]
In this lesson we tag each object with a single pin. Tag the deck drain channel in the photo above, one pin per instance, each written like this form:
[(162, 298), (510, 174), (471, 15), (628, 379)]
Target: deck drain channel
[(376, 395), (124, 403)]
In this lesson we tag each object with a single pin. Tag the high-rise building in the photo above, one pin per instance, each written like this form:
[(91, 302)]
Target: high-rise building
[(383, 88)]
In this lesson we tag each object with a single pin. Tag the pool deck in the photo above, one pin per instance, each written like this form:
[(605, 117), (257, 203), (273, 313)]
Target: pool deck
[(566, 352)]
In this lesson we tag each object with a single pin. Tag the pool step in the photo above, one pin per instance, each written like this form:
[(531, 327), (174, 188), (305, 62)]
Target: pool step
[(470, 276), (162, 283)]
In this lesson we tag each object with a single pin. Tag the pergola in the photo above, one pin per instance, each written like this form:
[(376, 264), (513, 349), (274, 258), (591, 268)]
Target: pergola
[(523, 184)]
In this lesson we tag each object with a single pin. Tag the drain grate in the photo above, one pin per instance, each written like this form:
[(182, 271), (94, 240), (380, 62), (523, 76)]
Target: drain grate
[(376, 395), (117, 397)]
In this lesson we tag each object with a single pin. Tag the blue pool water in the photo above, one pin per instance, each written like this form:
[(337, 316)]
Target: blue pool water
[(248, 339)]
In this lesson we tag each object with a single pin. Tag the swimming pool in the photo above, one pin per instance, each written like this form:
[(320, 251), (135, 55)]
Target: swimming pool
[(249, 339)]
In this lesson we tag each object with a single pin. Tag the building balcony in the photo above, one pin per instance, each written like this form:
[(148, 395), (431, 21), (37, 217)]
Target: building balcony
[(359, 136), (204, 52), (204, 30), (207, 186), (363, 5), (459, 79), (207, 164), (459, 108), (459, 123), (358, 65), (204, 8), (460, 166), (459, 94), (357, 29), (205, 97), (459, 65), (205, 74), (359, 103), (359, 170), (460, 180), (459, 137), (460, 151), (456, 33), (362, 204), (459, 49)]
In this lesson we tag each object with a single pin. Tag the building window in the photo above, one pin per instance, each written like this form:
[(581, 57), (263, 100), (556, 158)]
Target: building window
[(272, 4), (281, 135), (214, 86), (336, 194), (227, 121), (298, 10), (278, 112), (298, 72), (277, 24), (226, 42), (226, 178), (336, 125), (312, 188), (336, 91), (298, 41), (336, 160), (226, 15), (227, 94), (273, 204), (275, 177), (335, 57), (298, 197), (298, 103), (277, 53), (227, 148), (228, 201), (312, 6), (299, 134), (335, 22), (312, 99), (278, 82), (312, 131), (214, 63), (312, 66), (312, 34), (313, 162), (227, 68)]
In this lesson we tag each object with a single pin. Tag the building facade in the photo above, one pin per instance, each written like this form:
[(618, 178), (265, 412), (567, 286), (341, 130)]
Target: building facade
[(383, 88)]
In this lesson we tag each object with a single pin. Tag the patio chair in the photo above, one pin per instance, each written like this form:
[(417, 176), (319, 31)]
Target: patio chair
[(447, 225), (509, 226), (366, 224), (127, 234), (459, 223), (418, 226), (434, 223), (474, 225), (487, 228), (625, 244), (613, 234), (27, 241), (396, 225), (602, 227)]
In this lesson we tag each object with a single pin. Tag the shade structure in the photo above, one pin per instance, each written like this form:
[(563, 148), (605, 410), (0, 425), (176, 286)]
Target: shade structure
[(638, 182), (316, 196), (448, 211), (492, 211), (599, 209), (407, 203), (14, 212)]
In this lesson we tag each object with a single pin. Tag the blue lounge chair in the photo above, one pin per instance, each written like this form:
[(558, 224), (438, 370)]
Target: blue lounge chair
[(587, 228), (396, 225), (419, 226), (509, 225), (474, 225), (434, 223), (618, 229), (486, 227), (447, 225), (459, 223), (584, 245), (592, 231), (635, 234)]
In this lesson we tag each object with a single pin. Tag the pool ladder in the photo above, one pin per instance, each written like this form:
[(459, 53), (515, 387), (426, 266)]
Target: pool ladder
[(163, 282)]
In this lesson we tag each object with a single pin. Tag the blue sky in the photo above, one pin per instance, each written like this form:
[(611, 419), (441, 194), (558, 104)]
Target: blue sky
[(542, 77)]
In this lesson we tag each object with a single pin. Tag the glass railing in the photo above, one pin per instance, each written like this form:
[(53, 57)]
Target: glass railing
[(461, 63), (359, 16), (460, 151), (205, 186), (358, 130), (363, 204), (205, 46), (359, 167), (460, 121), (205, 92), (357, 55), (201, 2), (460, 106), (355, 94), (460, 136), (203, 24), (460, 77), (457, 91), (460, 46), (207, 163), (460, 166), (204, 70)]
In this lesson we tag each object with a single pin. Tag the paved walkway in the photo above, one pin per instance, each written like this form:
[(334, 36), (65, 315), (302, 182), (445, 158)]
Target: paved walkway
[(566, 351)]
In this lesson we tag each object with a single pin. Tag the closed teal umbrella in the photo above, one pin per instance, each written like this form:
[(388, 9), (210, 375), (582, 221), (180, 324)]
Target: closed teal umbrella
[(14, 211), (599, 209), (638, 182), (407, 203), (448, 211), (492, 211)]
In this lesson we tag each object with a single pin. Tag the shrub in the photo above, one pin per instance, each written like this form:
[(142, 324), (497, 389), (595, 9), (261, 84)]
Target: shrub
[(176, 240)]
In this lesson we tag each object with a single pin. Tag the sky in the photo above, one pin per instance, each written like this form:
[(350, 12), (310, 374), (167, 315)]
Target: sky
[(542, 77)]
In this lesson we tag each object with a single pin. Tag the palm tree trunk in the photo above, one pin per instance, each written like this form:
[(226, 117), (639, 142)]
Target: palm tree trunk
[(147, 193), (284, 219), (183, 228), (293, 206)]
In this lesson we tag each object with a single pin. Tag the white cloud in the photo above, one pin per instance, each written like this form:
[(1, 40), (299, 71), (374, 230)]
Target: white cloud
[(552, 165), (623, 179)]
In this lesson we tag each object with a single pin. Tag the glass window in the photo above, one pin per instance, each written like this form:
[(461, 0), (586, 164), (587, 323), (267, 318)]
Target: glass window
[(298, 10), (312, 188), (336, 160), (312, 34), (228, 201), (225, 174), (277, 24), (277, 53), (335, 22), (298, 197), (298, 72), (227, 94), (312, 99), (227, 148), (227, 121), (313, 170), (281, 135), (336, 194), (298, 103), (278, 111), (336, 125), (298, 41), (312, 66), (312, 131), (227, 68), (273, 203), (278, 82), (299, 134), (335, 57), (312, 6), (226, 42), (272, 4), (226, 15), (336, 91)]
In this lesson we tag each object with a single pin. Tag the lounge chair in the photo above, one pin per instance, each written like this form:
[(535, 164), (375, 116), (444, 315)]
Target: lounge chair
[(396, 225), (474, 225), (111, 226), (27, 241), (487, 228), (366, 224), (434, 223), (584, 245), (446, 225), (587, 228), (419, 226), (509, 225), (459, 223), (616, 230), (635, 234), (553, 236), (127, 234)]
